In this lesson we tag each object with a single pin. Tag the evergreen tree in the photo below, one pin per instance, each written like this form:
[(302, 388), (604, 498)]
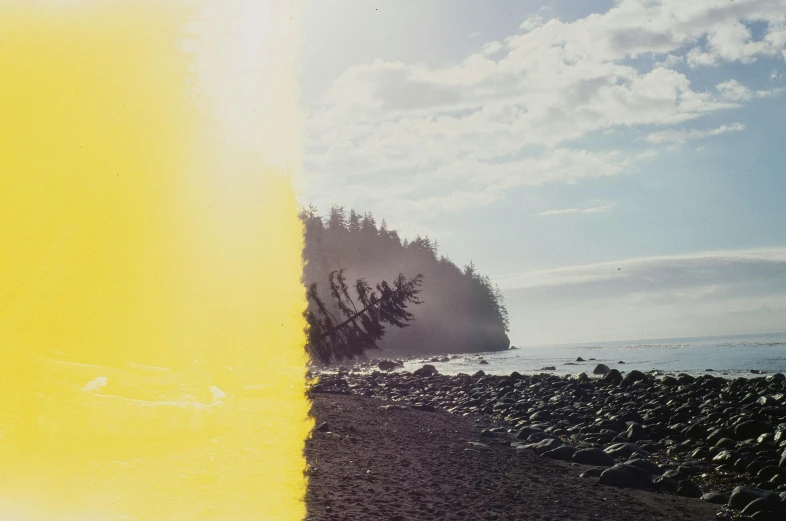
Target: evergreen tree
[(365, 316), (353, 225), (338, 218), (462, 310)]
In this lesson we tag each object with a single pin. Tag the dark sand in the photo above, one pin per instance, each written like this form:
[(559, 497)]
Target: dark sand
[(378, 464)]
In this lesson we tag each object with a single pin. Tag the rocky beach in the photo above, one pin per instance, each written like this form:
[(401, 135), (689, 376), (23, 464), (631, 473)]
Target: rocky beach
[(612, 445)]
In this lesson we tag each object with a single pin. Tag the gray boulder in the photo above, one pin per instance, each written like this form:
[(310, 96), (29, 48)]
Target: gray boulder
[(526, 432), (594, 472), (624, 450), (613, 376), (426, 370), (741, 496), (633, 377), (387, 365), (674, 474), (715, 498), (652, 468), (593, 456), (543, 445), (763, 504), (688, 488), (751, 429), (564, 453), (636, 432), (625, 476), (666, 484)]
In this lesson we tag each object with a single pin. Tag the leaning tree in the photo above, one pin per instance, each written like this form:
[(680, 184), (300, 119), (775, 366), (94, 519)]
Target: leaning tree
[(361, 321)]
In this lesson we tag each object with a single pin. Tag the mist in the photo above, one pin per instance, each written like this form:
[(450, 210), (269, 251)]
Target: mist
[(461, 311)]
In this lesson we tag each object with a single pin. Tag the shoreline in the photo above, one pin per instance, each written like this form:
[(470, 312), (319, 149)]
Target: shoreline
[(745, 356), (689, 436), (565, 370)]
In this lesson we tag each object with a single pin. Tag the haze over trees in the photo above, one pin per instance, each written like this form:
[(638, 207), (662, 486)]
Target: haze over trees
[(461, 310)]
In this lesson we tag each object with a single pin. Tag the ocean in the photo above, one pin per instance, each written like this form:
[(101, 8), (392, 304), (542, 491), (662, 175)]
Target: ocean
[(727, 356)]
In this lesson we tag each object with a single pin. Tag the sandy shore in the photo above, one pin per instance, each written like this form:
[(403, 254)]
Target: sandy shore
[(377, 460)]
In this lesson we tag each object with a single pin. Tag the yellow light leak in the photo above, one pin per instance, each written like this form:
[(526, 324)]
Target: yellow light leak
[(151, 330)]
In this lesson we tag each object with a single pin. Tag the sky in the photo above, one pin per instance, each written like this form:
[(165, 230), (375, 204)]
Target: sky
[(616, 167)]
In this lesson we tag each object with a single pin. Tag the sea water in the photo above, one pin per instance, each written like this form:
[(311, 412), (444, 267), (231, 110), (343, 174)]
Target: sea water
[(727, 356)]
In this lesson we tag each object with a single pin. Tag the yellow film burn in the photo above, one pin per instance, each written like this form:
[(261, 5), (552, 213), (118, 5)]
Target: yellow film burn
[(151, 330)]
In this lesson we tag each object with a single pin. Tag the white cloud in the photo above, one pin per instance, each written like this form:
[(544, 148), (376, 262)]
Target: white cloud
[(733, 90), (415, 195), (693, 294), (595, 209), (697, 58), (531, 23), (729, 37), (662, 273), (681, 136), (500, 118), (670, 61), (492, 48)]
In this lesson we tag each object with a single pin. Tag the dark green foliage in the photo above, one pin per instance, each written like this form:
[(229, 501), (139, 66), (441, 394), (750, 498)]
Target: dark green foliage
[(364, 317), (486, 298), (462, 310)]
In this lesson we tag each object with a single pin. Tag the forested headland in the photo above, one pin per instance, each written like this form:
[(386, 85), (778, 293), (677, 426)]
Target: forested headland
[(461, 310)]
